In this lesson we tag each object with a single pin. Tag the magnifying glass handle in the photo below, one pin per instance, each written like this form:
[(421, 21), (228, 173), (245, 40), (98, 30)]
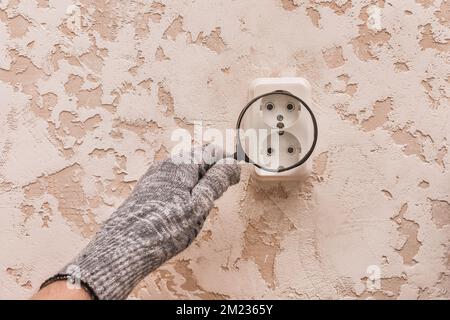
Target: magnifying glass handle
[(231, 156), (240, 156)]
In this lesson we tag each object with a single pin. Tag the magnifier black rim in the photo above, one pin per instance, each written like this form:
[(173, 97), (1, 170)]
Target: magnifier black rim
[(305, 157)]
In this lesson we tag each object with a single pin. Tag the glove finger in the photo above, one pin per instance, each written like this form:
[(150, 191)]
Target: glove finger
[(202, 158), (184, 169), (213, 184)]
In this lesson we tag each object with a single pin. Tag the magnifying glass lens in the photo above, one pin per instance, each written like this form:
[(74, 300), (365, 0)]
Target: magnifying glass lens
[(277, 131)]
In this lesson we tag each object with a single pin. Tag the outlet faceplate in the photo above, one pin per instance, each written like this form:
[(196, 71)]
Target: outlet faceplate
[(276, 109)]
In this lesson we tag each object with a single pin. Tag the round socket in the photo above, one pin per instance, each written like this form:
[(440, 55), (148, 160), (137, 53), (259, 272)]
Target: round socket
[(280, 150), (279, 111)]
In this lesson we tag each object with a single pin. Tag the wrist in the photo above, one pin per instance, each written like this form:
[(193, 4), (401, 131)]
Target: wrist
[(60, 288)]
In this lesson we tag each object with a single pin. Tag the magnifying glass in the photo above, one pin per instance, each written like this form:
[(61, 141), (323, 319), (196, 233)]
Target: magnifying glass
[(276, 132)]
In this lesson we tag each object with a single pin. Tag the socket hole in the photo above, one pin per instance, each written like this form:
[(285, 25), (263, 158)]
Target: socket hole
[(269, 151), (280, 133), (280, 117), (290, 106), (280, 125), (270, 106)]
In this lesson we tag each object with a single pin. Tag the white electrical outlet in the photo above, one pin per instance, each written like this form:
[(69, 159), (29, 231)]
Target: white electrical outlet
[(285, 114)]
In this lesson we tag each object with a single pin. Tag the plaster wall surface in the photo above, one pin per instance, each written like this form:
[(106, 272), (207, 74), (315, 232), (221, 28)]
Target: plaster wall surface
[(92, 90)]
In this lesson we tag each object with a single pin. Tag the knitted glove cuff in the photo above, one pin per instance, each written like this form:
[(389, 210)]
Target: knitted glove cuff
[(111, 273)]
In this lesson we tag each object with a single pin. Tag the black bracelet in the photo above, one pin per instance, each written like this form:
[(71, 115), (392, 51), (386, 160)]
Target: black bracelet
[(86, 287)]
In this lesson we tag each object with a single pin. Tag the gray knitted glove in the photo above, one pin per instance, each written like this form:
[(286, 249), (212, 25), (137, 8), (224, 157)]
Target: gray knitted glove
[(161, 217)]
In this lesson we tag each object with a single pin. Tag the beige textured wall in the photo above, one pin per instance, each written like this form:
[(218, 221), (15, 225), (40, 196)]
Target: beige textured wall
[(91, 91)]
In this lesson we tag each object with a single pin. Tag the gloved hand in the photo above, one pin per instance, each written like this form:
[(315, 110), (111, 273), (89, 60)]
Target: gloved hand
[(161, 217)]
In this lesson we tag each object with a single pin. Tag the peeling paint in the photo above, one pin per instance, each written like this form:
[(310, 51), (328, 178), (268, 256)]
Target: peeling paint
[(368, 39), (440, 211), (380, 113), (409, 229), (333, 57)]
